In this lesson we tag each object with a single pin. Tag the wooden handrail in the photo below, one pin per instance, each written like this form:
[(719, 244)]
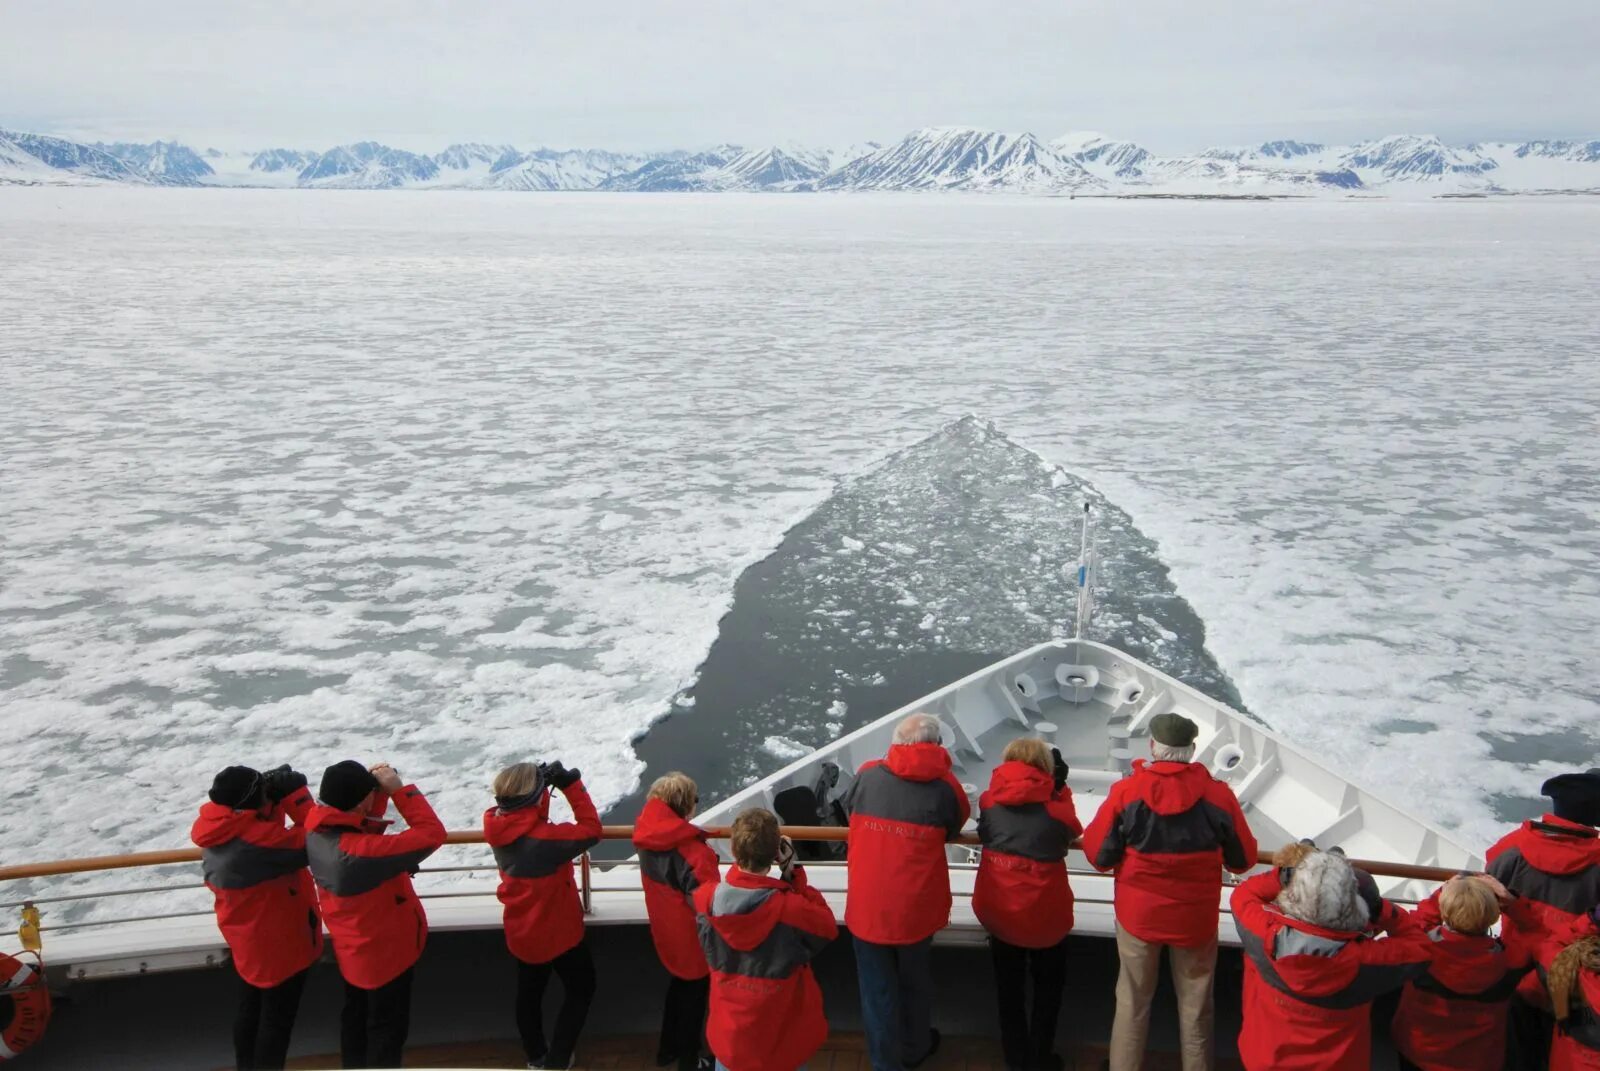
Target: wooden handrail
[(95, 863)]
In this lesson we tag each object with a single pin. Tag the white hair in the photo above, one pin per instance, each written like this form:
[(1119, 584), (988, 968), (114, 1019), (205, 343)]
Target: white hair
[(919, 729), (1170, 753), (1323, 892)]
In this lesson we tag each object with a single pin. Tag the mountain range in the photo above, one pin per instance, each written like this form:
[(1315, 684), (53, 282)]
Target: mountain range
[(930, 159)]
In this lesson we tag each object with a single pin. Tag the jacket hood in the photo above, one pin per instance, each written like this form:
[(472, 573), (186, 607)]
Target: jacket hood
[(1172, 787), (918, 762), (1467, 963), (1013, 783), (218, 824), (661, 829), (746, 907), (502, 827), (1319, 972), (1554, 853), (322, 816)]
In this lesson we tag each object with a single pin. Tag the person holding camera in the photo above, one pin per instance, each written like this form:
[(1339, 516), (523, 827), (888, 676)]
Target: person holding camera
[(543, 911), (377, 923), (255, 867), (760, 934)]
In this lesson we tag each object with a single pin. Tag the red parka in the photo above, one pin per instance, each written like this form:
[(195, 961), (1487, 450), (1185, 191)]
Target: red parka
[(674, 862), (1026, 825), (902, 810), (543, 912), (760, 935), (1453, 1016), (1576, 1046), (1167, 830), (1308, 991), (364, 885), (1559, 872), (255, 867)]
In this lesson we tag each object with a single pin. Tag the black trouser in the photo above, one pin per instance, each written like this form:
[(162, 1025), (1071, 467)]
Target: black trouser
[(375, 1022), (683, 1020), (1028, 1040), (575, 968), (264, 1022), (1529, 1030)]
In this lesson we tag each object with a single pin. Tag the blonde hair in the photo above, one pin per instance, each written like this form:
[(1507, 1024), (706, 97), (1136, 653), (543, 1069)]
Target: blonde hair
[(1031, 751), (676, 790), (755, 840), (1581, 955), (1468, 906), (518, 779)]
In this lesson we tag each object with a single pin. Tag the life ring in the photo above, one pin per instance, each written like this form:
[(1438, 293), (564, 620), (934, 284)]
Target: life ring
[(24, 1005)]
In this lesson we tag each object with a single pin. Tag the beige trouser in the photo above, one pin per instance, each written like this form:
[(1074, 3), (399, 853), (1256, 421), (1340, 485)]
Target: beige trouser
[(1192, 971)]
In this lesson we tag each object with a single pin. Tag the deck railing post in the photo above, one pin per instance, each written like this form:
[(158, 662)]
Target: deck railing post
[(586, 890)]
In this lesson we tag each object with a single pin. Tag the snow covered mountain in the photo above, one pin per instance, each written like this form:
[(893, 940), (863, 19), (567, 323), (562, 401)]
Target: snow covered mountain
[(963, 158), (367, 165), (931, 159), (165, 162)]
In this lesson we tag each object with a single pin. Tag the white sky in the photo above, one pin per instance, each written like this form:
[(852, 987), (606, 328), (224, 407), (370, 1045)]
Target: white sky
[(1172, 74)]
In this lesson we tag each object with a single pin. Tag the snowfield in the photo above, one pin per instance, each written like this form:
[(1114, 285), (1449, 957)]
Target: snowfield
[(452, 481)]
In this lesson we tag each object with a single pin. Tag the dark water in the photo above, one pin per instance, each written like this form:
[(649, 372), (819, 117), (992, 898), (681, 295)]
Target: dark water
[(951, 554)]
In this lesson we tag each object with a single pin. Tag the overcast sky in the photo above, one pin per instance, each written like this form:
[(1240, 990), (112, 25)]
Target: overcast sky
[(1173, 74)]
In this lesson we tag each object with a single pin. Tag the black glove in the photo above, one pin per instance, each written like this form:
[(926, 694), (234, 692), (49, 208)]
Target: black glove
[(1367, 887), (1061, 771), (281, 782), (558, 776)]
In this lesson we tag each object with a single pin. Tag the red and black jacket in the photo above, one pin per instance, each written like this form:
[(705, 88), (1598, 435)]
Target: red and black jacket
[(364, 885), (1307, 990), (255, 866), (1167, 831), (1576, 1046), (543, 913), (1559, 872), (902, 808), (1027, 826), (760, 935), (1452, 1017), (674, 862)]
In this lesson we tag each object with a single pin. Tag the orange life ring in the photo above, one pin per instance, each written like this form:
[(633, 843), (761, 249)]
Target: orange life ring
[(24, 1005)]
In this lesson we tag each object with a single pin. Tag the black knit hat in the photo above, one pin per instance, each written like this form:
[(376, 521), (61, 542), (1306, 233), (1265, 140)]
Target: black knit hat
[(238, 787), (345, 784), (1575, 796)]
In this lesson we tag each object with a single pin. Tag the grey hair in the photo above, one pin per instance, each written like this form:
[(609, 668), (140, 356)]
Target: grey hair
[(1168, 753), (1323, 892), (919, 729)]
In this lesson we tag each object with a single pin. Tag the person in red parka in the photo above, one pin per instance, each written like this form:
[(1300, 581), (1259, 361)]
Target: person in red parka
[(1167, 831), (1027, 824), (1554, 862), (372, 913), (1570, 964), (1453, 1016), (903, 809), (543, 911), (1314, 963), (255, 867), (760, 934), (674, 862)]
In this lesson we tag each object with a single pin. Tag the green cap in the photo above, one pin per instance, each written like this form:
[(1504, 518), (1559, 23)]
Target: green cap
[(1173, 730)]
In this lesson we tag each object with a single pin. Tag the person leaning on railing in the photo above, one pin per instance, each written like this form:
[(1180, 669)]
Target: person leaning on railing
[(373, 914), (1320, 946), (1167, 831), (255, 866), (1452, 1017), (760, 934), (1570, 964), (1027, 824), (1553, 861), (674, 863), (903, 809), (543, 912)]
